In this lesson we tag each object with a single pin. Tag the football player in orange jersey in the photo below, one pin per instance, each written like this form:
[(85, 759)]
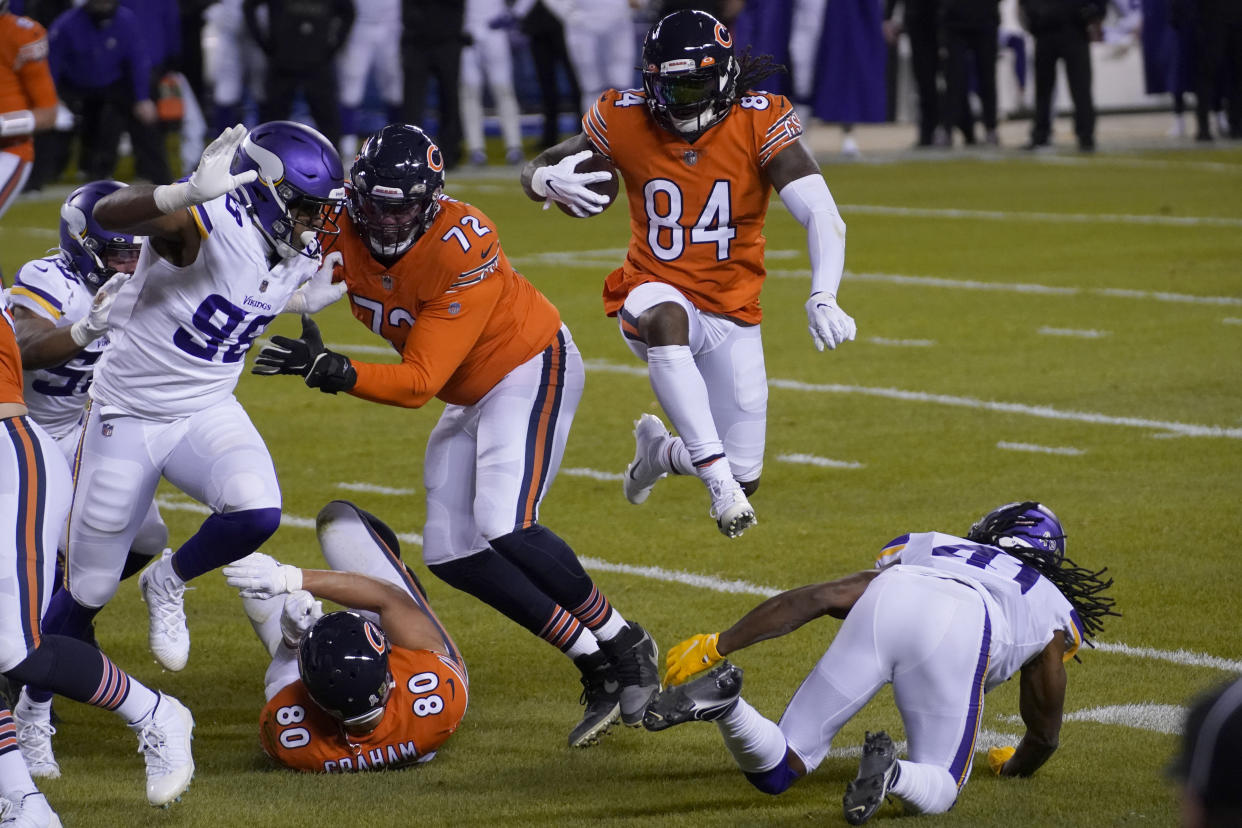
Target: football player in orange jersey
[(34, 501), (700, 150), (27, 99), (428, 273), (378, 687)]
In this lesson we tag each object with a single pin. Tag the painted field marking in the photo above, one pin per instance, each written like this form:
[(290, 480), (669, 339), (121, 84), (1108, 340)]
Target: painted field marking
[(1138, 163), (1231, 320), (902, 343), (823, 462), (1157, 718), (1042, 411), (375, 489), (594, 474), (739, 587), (1031, 447), (953, 213), (1073, 332)]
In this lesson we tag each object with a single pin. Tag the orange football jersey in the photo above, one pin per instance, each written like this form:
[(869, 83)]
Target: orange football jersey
[(696, 210), (454, 308), (10, 361), (427, 704), (25, 79)]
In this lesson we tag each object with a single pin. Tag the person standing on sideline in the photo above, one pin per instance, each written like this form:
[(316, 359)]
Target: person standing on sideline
[(431, 48), (546, 35), (373, 49), (1063, 31), (921, 22), (944, 619), (428, 273), (971, 35), (27, 99), (700, 150), (488, 56)]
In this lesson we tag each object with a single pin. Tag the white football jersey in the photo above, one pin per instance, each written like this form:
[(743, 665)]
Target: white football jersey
[(179, 335), (55, 396), (1024, 607)]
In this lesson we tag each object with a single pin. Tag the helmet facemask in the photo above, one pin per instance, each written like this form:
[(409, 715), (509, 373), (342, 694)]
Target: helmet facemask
[(388, 221), (91, 252), (691, 102)]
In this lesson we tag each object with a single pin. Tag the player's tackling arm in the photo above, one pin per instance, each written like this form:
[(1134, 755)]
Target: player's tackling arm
[(1041, 699), (403, 620)]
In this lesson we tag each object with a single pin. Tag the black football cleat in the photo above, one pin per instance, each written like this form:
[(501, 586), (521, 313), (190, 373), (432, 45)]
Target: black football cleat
[(636, 658), (705, 698), (601, 693), (876, 774)]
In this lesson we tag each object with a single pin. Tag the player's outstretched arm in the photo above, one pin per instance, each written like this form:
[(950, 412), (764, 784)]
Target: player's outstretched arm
[(803, 190), (44, 345), (260, 576), (775, 617), (1041, 699)]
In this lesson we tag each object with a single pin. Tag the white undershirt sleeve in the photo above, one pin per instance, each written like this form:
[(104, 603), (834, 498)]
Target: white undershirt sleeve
[(810, 202)]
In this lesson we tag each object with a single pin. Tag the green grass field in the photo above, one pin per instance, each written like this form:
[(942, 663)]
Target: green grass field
[(1065, 329)]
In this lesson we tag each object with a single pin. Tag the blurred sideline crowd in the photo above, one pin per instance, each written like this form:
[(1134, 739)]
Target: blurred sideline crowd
[(129, 72)]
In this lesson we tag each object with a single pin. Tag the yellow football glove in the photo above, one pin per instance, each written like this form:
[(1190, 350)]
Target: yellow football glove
[(998, 756), (689, 657)]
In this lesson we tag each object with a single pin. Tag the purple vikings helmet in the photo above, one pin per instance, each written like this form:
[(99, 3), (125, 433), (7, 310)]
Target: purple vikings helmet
[(93, 253), (1028, 524), (689, 72), (300, 184)]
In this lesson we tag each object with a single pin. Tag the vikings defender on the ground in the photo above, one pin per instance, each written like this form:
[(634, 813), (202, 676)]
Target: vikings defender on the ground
[(33, 503), (428, 274), (700, 152), (379, 687), (226, 251), (943, 619)]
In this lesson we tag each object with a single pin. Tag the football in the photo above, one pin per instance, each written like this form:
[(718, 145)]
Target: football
[(609, 188)]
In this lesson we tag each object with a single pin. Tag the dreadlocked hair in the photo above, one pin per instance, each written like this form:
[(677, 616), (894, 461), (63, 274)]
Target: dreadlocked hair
[(753, 69), (1081, 587)]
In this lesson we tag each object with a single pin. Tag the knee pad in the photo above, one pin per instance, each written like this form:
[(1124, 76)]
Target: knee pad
[(109, 501)]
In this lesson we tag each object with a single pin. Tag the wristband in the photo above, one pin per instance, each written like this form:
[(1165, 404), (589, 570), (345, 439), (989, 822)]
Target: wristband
[(82, 334), (539, 182), (169, 198), (20, 122)]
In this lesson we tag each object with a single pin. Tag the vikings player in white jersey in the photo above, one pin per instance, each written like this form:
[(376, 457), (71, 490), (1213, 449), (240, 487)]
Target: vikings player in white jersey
[(226, 252), (944, 619)]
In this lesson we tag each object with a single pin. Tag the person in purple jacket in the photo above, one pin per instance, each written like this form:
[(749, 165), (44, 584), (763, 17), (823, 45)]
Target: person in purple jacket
[(102, 69)]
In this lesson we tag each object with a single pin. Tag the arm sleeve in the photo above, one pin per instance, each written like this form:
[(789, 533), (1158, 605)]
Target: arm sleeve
[(810, 202), (437, 345)]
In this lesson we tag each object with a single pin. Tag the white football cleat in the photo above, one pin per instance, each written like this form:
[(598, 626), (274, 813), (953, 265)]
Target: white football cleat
[(164, 593), (164, 741), (732, 511), (27, 810), (643, 472), (34, 740)]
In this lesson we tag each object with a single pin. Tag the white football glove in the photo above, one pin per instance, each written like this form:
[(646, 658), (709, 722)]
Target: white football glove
[(559, 182), (320, 291), (300, 613), (262, 576), (829, 325), (95, 324), (211, 178)]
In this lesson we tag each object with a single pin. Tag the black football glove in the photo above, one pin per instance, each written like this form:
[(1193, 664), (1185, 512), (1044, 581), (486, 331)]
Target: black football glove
[(307, 357)]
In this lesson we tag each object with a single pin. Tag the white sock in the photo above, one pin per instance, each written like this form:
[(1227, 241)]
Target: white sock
[(17, 781), (756, 743), (678, 457), (928, 789), (139, 704), (29, 711), (612, 627), (679, 387), (584, 644)]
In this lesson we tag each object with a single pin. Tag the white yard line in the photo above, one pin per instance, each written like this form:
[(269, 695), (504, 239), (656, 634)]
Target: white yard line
[(594, 474), (1157, 718), (901, 343), (739, 587), (823, 462), (375, 489), (1052, 218), (1073, 332), (1031, 447)]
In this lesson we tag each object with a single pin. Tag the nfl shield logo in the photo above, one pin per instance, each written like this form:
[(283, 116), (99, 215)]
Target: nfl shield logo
[(263, 286), (690, 157), (107, 429), (386, 280)]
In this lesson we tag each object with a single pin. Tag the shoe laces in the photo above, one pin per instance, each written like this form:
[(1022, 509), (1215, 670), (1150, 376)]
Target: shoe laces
[(169, 605), (594, 685), (35, 739), (153, 745)]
